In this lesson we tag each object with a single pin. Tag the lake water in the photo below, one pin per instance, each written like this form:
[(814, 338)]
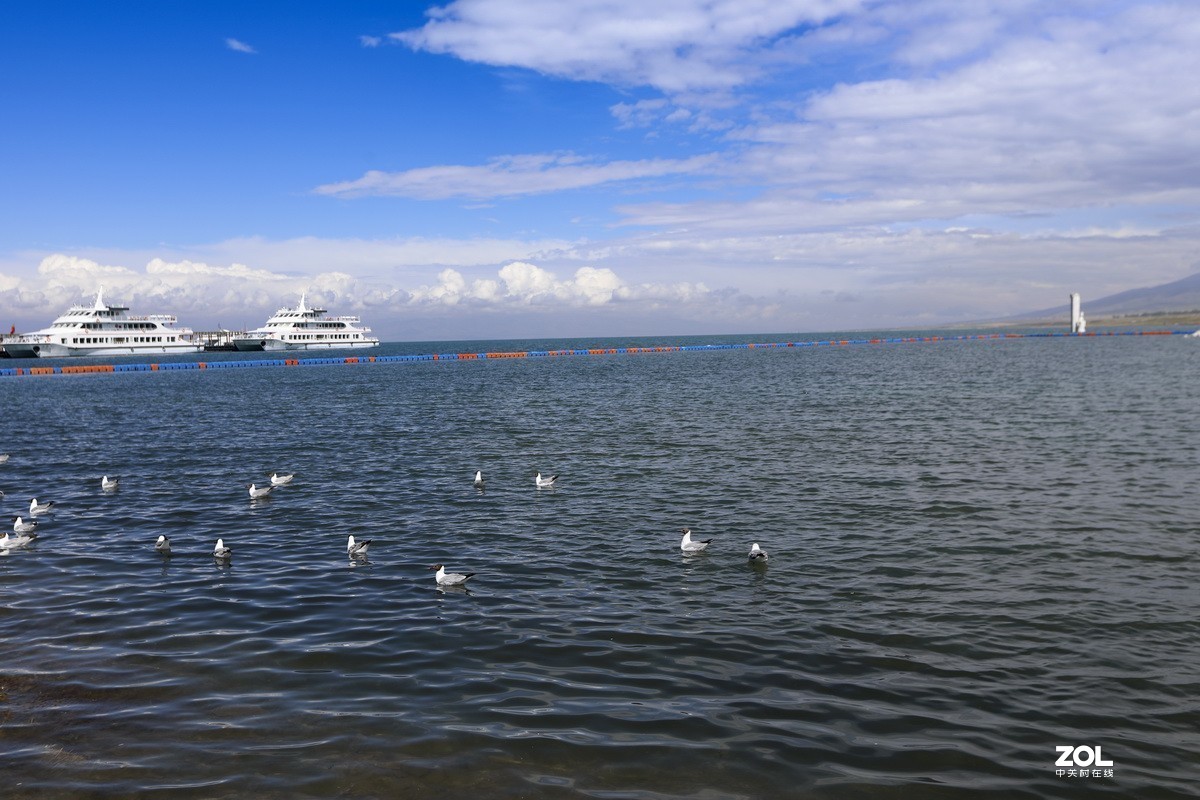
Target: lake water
[(979, 551)]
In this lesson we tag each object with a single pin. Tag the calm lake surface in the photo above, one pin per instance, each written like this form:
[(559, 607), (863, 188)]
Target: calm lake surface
[(979, 551)]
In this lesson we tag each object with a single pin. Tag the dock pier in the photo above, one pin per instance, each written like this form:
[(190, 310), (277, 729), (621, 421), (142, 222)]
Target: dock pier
[(217, 341)]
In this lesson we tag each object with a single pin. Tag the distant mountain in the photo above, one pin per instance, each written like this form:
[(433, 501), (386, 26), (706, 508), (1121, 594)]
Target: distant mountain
[(1181, 295)]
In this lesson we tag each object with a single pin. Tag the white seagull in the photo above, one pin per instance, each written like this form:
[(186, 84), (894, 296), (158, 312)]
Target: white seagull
[(280, 480), (544, 483), (354, 548), (450, 578), (257, 492), (222, 552), (40, 508), (19, 540), (688, 546), (109, 484), (757, 554), (478, 479), (21, 526), (163, 545), (3, 457)]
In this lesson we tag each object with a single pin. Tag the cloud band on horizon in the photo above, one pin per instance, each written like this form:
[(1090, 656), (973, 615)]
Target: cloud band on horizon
[(510, 176)]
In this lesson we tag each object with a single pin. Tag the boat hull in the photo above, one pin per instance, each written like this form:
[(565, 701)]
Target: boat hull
[(56, 350), (269, 344)]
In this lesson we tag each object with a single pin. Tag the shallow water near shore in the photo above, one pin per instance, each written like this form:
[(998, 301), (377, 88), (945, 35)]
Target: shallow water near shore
[(979, 551)]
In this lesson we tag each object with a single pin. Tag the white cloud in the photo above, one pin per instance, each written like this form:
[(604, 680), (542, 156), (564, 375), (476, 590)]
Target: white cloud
[(1064, 116), (1003, 107), (640, 114), (510, 176), (770, 280), (673, 45), (938, 32), (528, 283), (368, 257), (522, 285), (239, 47), (650, 113), (205, 295), (370, 41)]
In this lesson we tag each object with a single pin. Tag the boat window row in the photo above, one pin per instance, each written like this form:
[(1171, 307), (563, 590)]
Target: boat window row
[(307, 337), (120, 339), (322, 325), (110, 326), (133, 326)]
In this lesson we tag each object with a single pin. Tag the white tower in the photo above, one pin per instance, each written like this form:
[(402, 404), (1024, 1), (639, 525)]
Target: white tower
[(1078, 324)]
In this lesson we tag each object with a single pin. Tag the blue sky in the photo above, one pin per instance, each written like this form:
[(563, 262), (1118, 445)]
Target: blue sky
[(496, 168)]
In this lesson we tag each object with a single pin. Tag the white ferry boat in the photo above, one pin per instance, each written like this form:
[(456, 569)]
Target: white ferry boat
[(103, 330), (304, 328)]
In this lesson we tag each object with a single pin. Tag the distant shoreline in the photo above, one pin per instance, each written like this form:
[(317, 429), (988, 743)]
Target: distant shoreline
[(1149, 318)]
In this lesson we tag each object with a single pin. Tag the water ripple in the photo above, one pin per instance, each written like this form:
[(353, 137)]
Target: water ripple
[(978, 553)]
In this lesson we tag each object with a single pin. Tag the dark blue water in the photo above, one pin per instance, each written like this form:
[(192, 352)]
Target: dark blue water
[(979, 551)]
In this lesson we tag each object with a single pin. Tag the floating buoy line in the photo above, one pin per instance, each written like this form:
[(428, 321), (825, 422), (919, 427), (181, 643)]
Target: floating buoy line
[(81, 369)]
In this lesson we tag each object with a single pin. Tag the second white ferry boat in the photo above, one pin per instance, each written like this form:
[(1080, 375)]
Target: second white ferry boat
[(304, 328), (102, 329)]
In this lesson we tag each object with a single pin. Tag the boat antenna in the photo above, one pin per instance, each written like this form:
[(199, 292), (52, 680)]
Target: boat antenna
[(100, 299), (301, 307)]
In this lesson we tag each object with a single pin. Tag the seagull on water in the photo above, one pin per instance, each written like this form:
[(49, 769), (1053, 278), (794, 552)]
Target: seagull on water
[(109, 484), (280, 480), (688, 546), (40, 508), (257, 492), (163, 545), (757, 554), (544, 483), (3, 457), (354, 548), (21, 526), (450, 578), (221, 552), (19, 540), (478, 479)]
